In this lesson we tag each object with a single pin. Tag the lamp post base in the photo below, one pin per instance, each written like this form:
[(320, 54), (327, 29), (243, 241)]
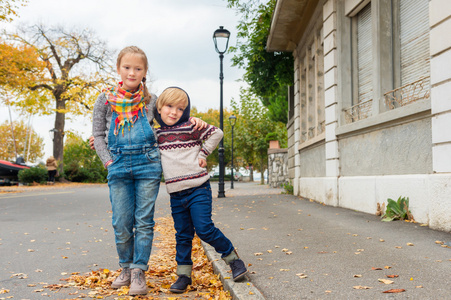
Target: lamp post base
[(221, 193)]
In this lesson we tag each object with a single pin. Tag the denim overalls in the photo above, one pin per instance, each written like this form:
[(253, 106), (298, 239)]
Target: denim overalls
[(134, 180)]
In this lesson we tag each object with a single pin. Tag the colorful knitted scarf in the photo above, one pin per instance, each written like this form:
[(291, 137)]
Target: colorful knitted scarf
[(126, 104)]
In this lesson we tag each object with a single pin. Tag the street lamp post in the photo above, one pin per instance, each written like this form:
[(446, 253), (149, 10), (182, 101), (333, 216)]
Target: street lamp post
[(232, 120), (52, 133), (221, 40)]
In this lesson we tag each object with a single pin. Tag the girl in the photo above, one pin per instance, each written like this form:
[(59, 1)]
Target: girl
[(125, 142)]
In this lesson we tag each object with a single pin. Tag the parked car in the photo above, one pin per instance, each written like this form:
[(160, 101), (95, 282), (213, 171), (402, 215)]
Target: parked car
[(5, 182)]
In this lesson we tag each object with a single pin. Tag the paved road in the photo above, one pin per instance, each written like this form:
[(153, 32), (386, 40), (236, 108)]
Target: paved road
[(48, 233), (285, 238)]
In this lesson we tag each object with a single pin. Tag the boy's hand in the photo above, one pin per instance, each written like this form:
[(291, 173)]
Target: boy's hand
[(202, 163), (198, 123), (91, 143)]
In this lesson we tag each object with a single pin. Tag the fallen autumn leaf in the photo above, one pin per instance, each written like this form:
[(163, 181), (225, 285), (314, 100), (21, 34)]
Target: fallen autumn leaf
[(395, 291), (360, 287), (386, 281)]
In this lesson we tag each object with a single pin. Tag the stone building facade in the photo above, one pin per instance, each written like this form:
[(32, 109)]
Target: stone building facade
[(371, 109)]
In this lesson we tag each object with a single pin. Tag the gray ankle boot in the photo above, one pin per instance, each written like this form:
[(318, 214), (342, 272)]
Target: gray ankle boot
[(138, 284), (122, 279)]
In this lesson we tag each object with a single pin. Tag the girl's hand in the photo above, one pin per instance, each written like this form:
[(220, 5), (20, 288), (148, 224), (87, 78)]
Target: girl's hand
[(198, 123), (91, 143), (202, 163)]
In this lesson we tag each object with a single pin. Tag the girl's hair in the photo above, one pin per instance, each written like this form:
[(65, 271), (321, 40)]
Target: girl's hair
[(172, 96), (136, 51)]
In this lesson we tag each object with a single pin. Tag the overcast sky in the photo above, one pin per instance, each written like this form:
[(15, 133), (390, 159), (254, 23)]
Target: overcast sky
[(175, 34)]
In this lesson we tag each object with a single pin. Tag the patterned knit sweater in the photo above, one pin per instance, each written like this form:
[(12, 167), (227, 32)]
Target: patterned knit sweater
[(180, 149)]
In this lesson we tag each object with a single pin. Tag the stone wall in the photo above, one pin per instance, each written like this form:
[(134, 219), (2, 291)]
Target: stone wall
[(277, 167)]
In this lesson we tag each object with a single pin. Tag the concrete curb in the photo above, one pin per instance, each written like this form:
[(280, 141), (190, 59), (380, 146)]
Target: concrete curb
[(242, 290)]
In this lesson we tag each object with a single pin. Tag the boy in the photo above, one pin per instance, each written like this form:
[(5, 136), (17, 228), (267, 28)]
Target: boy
[(183, 157)]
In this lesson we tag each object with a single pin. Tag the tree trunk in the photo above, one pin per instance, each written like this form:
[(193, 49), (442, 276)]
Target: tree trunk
[(58, 140)]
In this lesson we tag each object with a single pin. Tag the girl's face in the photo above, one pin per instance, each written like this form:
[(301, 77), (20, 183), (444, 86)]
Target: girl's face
[(132, 70), (171, 113)]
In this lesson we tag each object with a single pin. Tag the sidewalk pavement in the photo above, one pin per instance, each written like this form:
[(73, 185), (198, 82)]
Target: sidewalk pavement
[(300, 249)]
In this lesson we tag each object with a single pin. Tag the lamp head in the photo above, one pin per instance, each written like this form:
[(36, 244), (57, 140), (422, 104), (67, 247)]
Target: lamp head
[(221, 38), (52, 133), (232, 120)]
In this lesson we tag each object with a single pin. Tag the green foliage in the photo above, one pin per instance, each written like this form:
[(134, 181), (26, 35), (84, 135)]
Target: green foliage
[(268, 73), (397, 210), (81, 164), (37, 174), (277, 105), (252, 127), (288, 188)]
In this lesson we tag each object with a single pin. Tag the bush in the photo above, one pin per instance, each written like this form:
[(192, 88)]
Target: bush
[(81, 164), (34, 174), (226, 178), (288, 188), (75, 173)]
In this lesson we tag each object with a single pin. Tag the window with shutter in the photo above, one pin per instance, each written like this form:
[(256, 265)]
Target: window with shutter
[(411, 52), (364, 55), (414, 39)]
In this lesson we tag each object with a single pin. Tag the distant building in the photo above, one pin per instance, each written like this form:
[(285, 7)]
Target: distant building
[(370, 112)]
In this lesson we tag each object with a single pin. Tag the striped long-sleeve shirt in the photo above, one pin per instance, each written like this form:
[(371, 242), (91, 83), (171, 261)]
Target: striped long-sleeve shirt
[(180, 149)]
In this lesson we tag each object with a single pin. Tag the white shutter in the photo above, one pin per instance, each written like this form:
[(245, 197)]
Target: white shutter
[(364, 54), (414, 35)]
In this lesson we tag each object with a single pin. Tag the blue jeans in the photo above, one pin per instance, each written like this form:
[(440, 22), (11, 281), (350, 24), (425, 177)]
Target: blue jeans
[(191, 211)]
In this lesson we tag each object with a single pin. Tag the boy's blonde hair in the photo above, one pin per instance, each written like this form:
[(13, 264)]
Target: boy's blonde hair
[(136, 51), (172, 96)]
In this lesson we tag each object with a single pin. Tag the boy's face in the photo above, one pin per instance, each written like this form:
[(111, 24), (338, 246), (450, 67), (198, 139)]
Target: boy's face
[(171, 113)]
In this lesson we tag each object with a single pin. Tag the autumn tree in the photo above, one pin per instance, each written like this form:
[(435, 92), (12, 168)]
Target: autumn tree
[(77, 66), (8, 9), (268, 73), (253, 126), (28, 143), (19, 65)]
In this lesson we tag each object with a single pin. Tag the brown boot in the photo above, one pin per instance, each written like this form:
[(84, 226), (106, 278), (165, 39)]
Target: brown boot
[(122, 279), (138, 284)]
